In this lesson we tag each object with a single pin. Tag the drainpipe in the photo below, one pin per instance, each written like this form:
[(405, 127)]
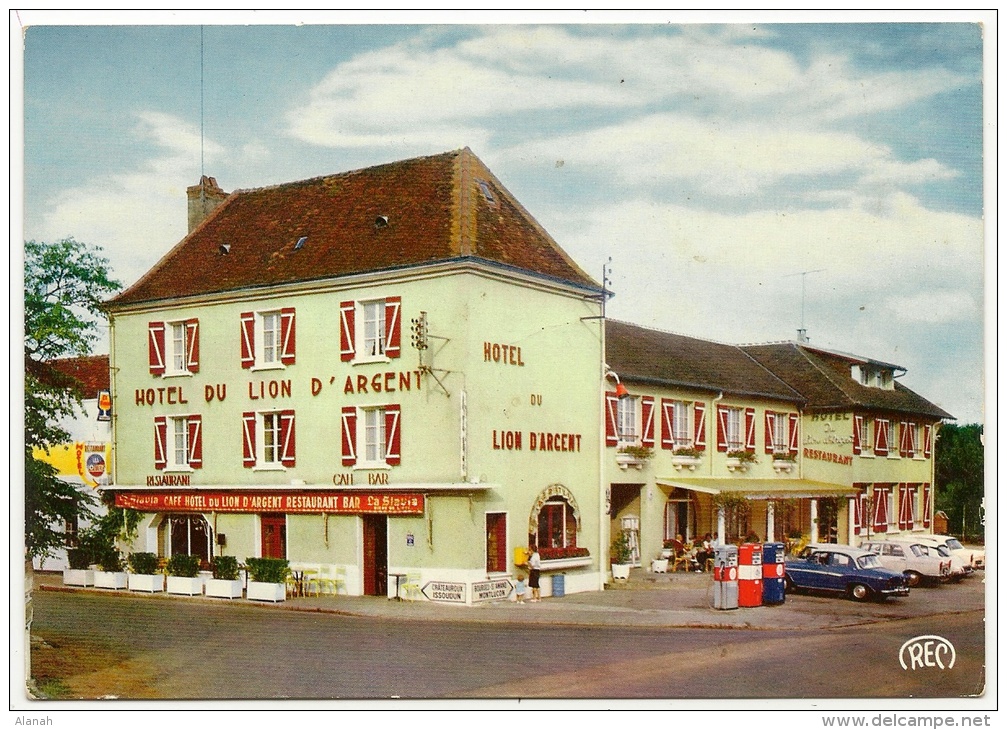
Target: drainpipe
[(604, 526), (721, 521), (115, 398)]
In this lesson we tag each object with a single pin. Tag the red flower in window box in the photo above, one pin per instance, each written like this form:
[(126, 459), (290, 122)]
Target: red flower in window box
[(563, 552)]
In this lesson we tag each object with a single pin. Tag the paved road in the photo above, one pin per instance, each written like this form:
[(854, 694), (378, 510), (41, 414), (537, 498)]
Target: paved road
[(198, 649)]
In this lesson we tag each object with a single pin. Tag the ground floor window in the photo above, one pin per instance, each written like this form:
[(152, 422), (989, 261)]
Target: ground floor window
[(185, 535), (679, 517), (496, 542), (557, 524)]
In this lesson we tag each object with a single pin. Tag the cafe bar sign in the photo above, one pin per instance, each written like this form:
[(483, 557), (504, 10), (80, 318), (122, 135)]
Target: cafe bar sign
[(377, 503)]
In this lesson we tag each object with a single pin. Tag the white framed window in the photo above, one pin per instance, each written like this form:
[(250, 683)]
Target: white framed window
[(268, 440), (893, 514), (914, 441), (735, 432), (178, 442), (914, 501), (629, 420), (370, 330), (780, 435), (268, 339), (864, 426), (371, 436), (680, 423), (173, 347)]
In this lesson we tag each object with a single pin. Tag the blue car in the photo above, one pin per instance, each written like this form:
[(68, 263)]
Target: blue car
[(845, 570)]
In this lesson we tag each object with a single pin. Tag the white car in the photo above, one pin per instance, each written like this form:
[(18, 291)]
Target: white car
[(961, 566), (974, 555), (917, 562)]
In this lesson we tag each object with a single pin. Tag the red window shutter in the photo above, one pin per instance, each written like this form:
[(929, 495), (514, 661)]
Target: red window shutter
[(770, 422), (393, 441), (160, 442), (155, 347), (903, 506), (247, 339), (749, 429), (288, 336), (347, 331), (195, 427), (611, 419), (857, 425), (647, 419), (248, 438), (393, 326), (722, 428), (911, 490), (903, 439), (795, 433), (349, 435), (192, 345), (699, 436), (881, 437), (858, 513), (880, 509), (288, 452), (928, 443), (926, 505), (667, 423)]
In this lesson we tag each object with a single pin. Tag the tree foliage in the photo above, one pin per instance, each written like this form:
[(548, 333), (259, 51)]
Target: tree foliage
[(959, 478), (65, 284)]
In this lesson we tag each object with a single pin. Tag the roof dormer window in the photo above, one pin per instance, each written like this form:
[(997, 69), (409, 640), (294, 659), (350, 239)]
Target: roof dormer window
[(873, 377)]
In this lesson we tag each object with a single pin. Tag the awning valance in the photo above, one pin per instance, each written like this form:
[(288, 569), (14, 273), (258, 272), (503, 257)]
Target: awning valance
[(766, 489)]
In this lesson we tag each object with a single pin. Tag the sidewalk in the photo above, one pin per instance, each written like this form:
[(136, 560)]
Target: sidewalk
[(671, 600)]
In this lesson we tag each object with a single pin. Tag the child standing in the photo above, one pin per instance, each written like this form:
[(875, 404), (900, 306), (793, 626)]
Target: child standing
[(519, 588)]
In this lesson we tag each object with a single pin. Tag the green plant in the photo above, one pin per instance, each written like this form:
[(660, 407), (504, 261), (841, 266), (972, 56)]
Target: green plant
[(621, 553), (267, 570), (78, 558), (143, 563), (687, 451), (784, 456), (183, 566), (637, 452), (745, 457), (225, 567)]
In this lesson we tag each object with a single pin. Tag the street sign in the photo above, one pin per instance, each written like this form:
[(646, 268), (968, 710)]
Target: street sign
[(491, 590), (444, 592)]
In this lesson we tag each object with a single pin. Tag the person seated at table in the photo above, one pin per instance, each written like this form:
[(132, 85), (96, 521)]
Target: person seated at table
[(678, 545), (705, 551)]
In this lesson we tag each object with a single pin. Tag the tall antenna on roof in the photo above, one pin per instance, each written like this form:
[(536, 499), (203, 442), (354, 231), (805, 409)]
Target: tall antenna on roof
[(802, 333)]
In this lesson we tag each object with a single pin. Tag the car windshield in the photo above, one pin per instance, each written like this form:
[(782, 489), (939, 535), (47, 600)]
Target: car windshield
[(954, 544), (869, 561)]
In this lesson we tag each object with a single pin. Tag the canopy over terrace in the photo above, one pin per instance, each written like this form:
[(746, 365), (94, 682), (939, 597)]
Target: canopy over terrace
[(767, 493)]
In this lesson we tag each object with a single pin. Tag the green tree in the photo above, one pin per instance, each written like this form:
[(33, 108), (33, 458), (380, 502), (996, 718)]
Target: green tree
[(65, 284), (959, 478)]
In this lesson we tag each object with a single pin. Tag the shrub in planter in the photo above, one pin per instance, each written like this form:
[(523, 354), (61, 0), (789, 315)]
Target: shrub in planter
[(144, 575), (78, 574), (111, 574), (225, 582), (266, 578), (183, 575), (78, 558)]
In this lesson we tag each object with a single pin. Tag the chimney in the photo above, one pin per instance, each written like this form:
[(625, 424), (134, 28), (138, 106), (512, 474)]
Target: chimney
[(204, 197)]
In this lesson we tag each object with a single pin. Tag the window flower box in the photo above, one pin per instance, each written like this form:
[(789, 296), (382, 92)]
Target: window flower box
[(783, 463), (684, 461), (740, 460), (565, 557)]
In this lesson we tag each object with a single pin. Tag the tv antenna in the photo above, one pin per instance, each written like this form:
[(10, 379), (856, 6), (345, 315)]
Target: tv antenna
[(802, 333)]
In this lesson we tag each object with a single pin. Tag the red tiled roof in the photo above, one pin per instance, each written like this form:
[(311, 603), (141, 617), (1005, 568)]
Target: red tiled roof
[(437, 209), (91, 373), (824, 379)]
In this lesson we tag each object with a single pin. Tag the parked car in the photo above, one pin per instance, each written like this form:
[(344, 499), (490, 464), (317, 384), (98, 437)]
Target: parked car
[(976, 556), (961, 566), (913, 560), (845, 570)]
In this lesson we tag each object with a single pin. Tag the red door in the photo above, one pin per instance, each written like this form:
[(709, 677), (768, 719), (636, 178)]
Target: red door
[(375, 555), (274, 536), (496, 542)]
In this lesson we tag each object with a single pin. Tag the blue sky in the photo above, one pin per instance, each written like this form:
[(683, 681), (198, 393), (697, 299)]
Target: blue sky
[(712, 162)]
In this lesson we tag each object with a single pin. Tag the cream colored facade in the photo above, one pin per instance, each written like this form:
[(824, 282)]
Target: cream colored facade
[(501, 408)]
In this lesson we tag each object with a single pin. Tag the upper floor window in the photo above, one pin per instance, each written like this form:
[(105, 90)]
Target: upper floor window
[(873, 376), (629, 428), (882, 436), (911, 439), (173, 347), (268, 439), (268, 338), (178, 442), (371, 437), (735, 429), (862, 443), (370, 330)]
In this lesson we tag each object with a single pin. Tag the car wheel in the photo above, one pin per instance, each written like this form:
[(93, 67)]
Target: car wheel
[(859, 592), (913, 578), (788, 585)]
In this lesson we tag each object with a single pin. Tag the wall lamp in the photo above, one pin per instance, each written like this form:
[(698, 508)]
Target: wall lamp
[(620, 389)]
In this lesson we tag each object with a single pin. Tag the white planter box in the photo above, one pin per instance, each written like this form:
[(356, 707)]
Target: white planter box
[(217, 588), (78, 577), (628, 460), (185, 586), (146, 583), (734, 464), (659, 566), (566, 563), (274, 592), (620, 572), (114, 580), (783, 466)]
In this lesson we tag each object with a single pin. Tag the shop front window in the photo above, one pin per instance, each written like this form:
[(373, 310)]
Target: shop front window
[(185, 535), (557, 525)]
